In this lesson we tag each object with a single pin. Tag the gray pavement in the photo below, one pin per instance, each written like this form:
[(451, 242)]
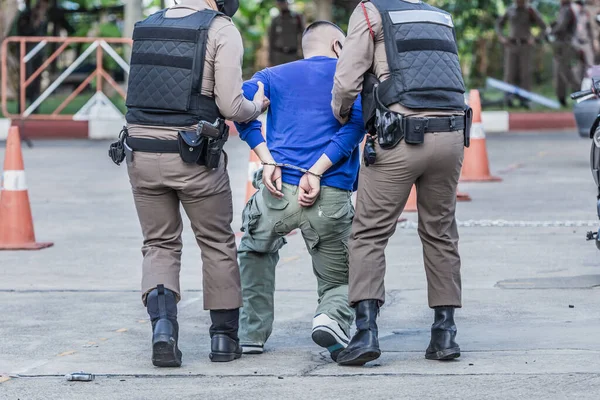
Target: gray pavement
[(76, 306)]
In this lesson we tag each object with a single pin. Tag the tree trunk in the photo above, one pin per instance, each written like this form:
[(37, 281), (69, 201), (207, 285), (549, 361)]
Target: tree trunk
[(324, 9)]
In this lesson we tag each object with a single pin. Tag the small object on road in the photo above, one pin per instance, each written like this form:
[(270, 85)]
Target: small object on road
[(471, 364), (571, 306), (80, 376), (280, 377)]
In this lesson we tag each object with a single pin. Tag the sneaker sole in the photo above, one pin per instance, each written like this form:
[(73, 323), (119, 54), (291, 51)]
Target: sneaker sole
[(224, 357), (253, 350), (326, 337), (359, 357), (165, 354), (444, 355)]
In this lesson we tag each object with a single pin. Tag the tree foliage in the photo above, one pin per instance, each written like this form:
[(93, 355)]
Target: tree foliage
[(480, 52)]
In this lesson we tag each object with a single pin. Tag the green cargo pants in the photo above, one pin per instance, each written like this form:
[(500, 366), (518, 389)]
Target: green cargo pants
[(325, 226)]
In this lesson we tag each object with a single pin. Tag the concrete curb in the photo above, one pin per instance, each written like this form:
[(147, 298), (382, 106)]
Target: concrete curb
[(4, 126), (503, 121)]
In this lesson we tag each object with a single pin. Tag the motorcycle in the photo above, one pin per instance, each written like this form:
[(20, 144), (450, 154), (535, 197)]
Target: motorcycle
[(594, 134)]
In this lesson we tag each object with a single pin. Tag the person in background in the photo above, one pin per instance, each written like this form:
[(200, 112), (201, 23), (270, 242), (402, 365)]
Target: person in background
[(285, 35), (521, 17), (584, 39), (565, 53)]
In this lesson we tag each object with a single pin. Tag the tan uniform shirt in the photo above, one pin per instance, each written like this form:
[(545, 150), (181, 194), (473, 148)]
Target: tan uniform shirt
[(360, 55), (520, 21), (222, 75), (566, 23)]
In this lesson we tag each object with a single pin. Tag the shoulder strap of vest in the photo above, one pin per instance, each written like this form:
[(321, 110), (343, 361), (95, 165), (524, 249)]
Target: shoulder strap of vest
[(362, 4)]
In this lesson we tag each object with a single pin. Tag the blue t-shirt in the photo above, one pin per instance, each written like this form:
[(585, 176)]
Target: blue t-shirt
[(300, 124)]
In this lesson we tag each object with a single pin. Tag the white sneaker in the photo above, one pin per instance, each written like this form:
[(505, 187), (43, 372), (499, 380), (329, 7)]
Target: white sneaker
[(327, 333), (252, 348)]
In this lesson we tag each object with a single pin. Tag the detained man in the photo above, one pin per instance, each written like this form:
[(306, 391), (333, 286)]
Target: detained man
[(310, 166)]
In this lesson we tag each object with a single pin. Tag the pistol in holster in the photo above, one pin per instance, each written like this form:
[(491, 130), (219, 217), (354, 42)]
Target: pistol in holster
[(204, 145)]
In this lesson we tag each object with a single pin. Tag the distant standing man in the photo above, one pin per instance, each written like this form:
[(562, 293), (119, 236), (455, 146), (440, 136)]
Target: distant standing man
[(302, 132), (420, 120), (518, 45), (285, 35), (33, 22), (186, 71), (584, 39), (565, 53)]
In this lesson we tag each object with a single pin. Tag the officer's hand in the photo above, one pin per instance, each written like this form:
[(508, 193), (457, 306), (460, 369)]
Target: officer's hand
[(531, 41), (266, 104), (259, 97), (310, 187), (272, 180), (503, 40)]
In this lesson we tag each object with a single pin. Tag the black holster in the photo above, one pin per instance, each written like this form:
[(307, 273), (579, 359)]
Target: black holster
[(116, 150), (214, 146), (204, 145), (468, 123), (369, 105), (389, 125)]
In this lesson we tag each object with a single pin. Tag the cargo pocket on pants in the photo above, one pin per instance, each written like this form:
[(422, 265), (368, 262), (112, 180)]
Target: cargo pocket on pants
[(250, 216), (311, 237)]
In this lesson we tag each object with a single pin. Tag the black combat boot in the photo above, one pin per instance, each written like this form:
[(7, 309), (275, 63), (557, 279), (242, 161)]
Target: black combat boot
[(225, 344), (443, 332), (364, 346), (162, 308)]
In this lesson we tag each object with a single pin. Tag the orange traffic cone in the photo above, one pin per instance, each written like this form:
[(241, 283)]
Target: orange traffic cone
[(16, 222), (411, 204), (462, 196), (253, 166), (254, 163), (476, 166)]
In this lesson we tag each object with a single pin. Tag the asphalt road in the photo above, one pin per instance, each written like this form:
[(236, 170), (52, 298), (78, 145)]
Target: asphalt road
[(76, 306)]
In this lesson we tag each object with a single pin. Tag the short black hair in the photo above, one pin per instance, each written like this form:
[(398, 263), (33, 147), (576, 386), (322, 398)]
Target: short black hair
[(317, 24)]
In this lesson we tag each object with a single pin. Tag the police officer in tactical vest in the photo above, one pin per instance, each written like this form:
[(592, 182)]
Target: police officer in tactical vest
[(403, 55), (185, 79)]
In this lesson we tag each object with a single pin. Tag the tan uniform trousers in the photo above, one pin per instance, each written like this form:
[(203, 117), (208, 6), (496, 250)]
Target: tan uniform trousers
[(564, 77), (585, 60), (161, 183), (517, 65), (383, 190)]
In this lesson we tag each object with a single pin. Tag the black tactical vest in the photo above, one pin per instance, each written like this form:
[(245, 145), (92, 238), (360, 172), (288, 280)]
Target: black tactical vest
[(422, 54), (165, 78)]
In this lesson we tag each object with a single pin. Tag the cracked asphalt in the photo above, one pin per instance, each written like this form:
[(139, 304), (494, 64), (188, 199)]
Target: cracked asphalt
[(528, 329)]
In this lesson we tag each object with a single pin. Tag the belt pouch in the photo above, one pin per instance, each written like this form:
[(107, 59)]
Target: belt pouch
[(415, 130), (191, 146)]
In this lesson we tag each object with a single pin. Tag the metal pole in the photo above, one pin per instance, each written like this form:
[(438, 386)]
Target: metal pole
[(134, 12)]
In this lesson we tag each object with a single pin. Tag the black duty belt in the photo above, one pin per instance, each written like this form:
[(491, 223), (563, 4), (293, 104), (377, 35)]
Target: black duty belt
[(435, 124), (518, 41), (153, 145), (286, 50)]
